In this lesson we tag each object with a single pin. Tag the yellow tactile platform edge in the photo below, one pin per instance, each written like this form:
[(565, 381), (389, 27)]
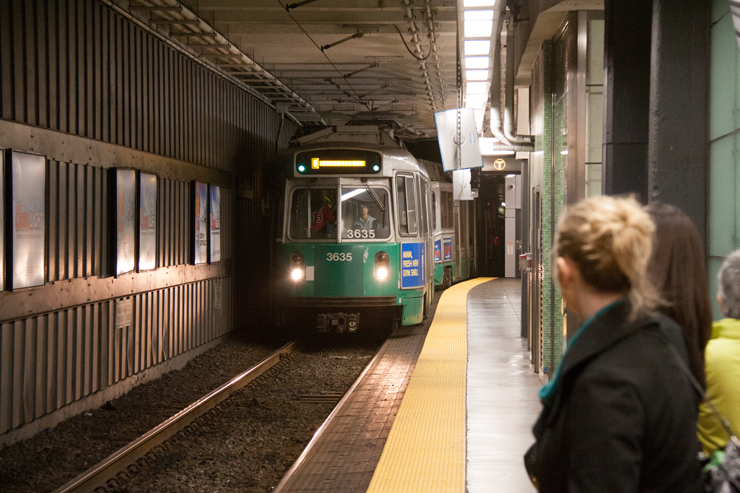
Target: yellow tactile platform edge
[(425, 451)]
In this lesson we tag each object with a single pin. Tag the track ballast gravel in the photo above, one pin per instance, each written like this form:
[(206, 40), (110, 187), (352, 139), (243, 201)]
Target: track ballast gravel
[(246, 446)]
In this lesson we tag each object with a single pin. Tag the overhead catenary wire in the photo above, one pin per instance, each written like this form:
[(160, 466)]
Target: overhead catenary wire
[(356, 96)]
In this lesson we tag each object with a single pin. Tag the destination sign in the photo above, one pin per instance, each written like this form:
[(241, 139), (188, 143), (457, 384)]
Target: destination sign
[(338, 162)]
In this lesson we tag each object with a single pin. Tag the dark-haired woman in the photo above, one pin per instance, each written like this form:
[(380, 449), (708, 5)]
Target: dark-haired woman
[(677, 270), (615, 417)]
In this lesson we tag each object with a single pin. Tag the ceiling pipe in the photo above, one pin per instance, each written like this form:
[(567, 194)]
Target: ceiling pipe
[(509, 92), (496, 128)]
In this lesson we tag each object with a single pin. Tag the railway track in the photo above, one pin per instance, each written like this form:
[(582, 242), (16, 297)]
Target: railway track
[(108, 473)]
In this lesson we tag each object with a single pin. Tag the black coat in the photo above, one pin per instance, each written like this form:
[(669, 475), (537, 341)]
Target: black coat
[(623, 418)]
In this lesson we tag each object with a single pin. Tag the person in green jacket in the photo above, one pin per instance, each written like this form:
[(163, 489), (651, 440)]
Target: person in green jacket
[(722, 357)]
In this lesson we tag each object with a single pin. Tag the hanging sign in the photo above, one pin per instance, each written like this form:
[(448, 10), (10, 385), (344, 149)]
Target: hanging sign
[(447, 136)]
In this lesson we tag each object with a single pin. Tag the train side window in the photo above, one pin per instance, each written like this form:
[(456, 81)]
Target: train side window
[(406, 205), (446, 208), (434, 211), (423, 191)]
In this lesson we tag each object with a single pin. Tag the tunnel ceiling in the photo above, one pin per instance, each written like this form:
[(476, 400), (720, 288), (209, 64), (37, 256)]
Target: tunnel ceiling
[(369, 75)]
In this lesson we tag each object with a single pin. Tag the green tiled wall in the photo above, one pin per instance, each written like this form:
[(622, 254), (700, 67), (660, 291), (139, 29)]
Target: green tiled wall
[(548, 118), (724, 146)]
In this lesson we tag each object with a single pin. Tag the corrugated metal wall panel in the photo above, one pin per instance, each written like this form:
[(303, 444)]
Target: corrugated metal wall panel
[(58, 358), (78, 67)]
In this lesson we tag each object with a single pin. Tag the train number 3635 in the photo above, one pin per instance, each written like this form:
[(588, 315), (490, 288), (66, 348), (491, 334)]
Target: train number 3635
[(338, 257), (360, 233)]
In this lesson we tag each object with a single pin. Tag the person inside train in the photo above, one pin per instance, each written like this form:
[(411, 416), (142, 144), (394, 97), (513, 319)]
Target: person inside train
[(677, 270), (615, 415), (365, 221), (323, 220), (723, 360)]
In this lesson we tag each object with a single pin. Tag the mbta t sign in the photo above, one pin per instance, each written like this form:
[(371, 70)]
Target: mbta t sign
[(499, 164)]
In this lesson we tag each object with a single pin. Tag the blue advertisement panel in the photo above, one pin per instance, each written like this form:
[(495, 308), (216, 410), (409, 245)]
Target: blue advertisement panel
[(438, 250), (448, 249), (412, 265)]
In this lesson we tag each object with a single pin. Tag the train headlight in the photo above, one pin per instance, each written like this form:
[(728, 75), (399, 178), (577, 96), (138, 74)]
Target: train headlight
[(381, 266), (297, 267)]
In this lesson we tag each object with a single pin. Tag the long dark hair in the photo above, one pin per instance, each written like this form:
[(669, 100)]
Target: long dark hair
[(677, 270)]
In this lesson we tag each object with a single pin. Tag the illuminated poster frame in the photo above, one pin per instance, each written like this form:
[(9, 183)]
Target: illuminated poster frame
[(124, 208), (200, 223), (214, 214), (2, 219), (147, 239), (25, 175)]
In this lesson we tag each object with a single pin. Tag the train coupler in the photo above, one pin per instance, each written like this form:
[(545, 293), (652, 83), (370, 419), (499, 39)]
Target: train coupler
[(338, 322)]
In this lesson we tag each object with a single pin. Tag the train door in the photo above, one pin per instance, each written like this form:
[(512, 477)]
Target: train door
[(427, 238), (412, 248)]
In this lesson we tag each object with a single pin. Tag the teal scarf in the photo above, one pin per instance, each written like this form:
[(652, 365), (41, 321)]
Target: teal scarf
[(547, 392)]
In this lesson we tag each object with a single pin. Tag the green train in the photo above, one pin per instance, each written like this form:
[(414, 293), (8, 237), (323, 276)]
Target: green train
[(362, 222)]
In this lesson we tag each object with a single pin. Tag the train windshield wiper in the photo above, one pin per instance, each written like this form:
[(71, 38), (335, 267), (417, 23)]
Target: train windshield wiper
[(374, 196)]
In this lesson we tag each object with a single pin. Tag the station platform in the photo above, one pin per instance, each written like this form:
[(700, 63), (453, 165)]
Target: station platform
[(443, 407)]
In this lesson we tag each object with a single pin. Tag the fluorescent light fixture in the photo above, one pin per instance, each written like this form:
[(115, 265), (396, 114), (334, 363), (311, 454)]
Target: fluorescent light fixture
[(479, 3), (476, 74), (564, 152), (476, 88), (503, 204), (476, 100), (478, 29), (477, 62), (478, 15), (510, 175), (477, 47), (497, 153)]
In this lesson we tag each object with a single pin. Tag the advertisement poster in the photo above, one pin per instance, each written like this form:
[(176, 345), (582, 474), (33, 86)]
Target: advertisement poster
[(28, 180), (448, 249), (215, 222), (412, 261), (2, 220), (125, 220), (437, 250), (200, 228), (147, 222)]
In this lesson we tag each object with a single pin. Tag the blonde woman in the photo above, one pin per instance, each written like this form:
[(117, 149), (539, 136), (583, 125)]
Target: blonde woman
[(618, 415)]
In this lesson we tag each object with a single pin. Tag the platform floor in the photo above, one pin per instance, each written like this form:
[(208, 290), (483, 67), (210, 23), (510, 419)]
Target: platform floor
[(445, 410)]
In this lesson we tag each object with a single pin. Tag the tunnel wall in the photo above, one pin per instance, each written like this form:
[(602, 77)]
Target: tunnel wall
[(92, 92)]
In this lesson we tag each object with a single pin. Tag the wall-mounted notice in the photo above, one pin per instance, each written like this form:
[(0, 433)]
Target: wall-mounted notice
[(215, 222), (147, 221), (200, 226), (125, 220), (28, 220)]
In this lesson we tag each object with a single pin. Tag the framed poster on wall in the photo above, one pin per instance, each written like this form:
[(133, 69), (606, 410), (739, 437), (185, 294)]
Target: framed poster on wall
[(147, 221), (215, 222), (26, 253), (200, 223), (124, 227)]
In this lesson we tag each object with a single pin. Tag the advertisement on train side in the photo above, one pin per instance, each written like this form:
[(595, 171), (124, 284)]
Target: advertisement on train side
[(438, 250), (125, 220), (412, 265), (147, 221), (200, 226), (215, 222), (448, 249)]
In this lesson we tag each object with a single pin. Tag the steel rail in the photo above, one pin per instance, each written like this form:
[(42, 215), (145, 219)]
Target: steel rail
[(314, 440), (99, 474)]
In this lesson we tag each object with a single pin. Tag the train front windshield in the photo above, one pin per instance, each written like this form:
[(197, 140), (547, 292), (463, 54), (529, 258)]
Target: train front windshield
[(365, 213)]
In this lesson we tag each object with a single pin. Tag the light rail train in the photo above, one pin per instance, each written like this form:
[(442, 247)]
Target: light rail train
[(366, 230)]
